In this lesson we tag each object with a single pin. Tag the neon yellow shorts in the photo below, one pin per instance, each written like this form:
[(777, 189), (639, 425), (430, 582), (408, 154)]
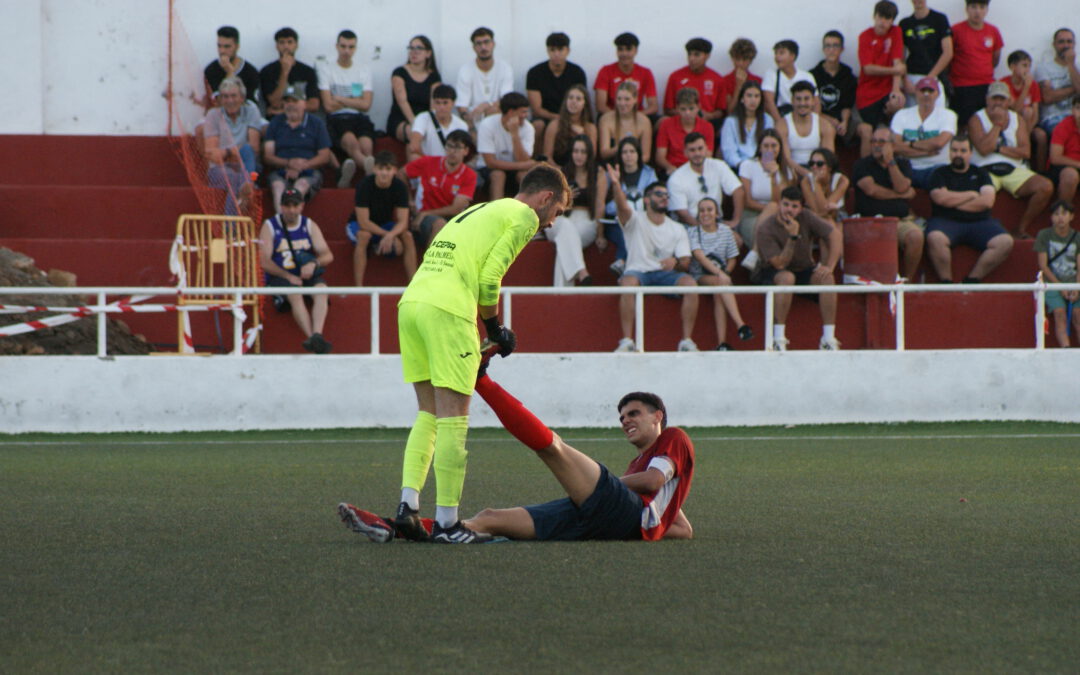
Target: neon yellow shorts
[(438, 346), (1013, 181)]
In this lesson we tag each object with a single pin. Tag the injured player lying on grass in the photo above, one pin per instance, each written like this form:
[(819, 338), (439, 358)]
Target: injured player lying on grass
[(646, 503)]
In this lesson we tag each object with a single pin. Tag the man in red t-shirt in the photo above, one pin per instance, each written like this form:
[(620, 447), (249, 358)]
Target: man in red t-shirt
[(446, 185), (671, 136), (696, 75), (743, 51), (976, 52), (613, 74), (1065, 153), (880, 92)]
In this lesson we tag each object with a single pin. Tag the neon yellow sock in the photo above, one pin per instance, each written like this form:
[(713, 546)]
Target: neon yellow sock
[(418, 452), (450, 461)]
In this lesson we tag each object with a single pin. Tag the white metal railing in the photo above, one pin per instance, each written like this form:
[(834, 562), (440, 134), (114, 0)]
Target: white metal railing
[(102, 309)]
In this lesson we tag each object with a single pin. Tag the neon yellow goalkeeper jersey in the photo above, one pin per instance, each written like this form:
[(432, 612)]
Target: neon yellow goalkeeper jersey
[(464, 265)]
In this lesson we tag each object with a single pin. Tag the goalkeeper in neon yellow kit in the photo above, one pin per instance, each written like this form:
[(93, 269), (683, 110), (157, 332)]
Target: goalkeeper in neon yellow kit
[(461, 274)]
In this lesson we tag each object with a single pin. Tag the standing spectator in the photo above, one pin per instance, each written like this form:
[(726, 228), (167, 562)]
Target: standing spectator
[(1026, 96), (293, 252), (547, 83), (743, 128), (231, 139), (836, 86), (575, 118), (764, 178), (1058, 252), (702, 176), (412, 85), (714, 252), (803, 129), (1065, 153), (962, 195), (671, 136), (922, 134), (658, 255), (625, 70), (976, 52), (778, 81), (277, 75), (929, 42), (625, 121), (431, 129), (635, 177), (1059, 79), (482, 82), (578, 227), (883, 188), (505, 142), (297, 146), (1002, 143), (881, 78), (345, 88), (707, 82), (447, 183), (783, 242), (742, 53), (382, 219), (229, 64)]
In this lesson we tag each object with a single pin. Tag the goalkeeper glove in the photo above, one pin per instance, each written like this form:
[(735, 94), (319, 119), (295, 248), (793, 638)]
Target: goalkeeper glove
[(500, 335)]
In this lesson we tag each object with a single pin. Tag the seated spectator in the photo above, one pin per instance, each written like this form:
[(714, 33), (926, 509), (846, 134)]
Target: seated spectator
[(547, 83), (345, 88), (1059, 80), (703, 176), (659, 255), (1058, 252), (382, 219), (671, 136), (1002, 142), (802, 128), (704, 80), (431, 130), (783, 242), (482, 82), (635, 177), (447, 185), (625, 70), (1026, 97), (575, 119), (505, 143), (412, 85), (929, 42), (744, 126), (231, 138), (836, 86), (293, 252), (742, 53), (777, 83), (297, 146), (764, 178), (277, 75), (714, 254), (1065, 154), (880, 91), (976, 52), (883, 187), (229, 64), (922, 134), (577, 227), (962, 195), (623, 122), (824, 187)]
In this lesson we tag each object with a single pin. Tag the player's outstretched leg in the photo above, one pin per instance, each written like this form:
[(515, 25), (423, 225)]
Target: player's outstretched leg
[(373, 527)]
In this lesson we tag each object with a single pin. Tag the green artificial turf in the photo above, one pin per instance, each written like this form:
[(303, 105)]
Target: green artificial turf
[(867, 548)]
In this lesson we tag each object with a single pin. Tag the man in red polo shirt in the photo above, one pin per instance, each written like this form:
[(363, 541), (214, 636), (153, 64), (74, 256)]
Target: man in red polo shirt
[(1065, 153), (446, 185), (976, 52), (696, 75), (613, 74), (880, 92)]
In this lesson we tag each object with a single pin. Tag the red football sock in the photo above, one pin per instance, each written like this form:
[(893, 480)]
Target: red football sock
[(518, 420)]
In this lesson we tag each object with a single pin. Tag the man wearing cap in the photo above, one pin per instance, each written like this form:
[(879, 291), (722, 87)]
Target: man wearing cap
[(297, 146), (1002, 143), (922, 133), (293, 252)]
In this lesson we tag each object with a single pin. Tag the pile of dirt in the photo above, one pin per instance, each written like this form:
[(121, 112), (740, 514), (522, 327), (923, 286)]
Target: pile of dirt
[(78, 337)]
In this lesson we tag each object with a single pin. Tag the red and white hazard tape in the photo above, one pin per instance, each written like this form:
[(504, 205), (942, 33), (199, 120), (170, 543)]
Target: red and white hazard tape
[(863, 281), (71, 314)]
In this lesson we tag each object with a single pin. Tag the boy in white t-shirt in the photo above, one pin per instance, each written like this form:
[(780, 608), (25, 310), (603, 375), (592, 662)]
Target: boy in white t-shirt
[(431, 129)]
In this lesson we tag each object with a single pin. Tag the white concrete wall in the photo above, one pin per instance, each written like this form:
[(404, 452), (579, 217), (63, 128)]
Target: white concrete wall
[(69, 394), (101, 67)]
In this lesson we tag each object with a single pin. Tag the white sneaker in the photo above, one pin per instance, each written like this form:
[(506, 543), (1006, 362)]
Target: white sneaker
[(369, 165), (687, 345), (829, 344), (750, 261), (779, 344), (348, 170), (618, 267), (626, 345)]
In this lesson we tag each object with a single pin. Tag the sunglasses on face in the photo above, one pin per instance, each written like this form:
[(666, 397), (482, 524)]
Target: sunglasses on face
[(659, 193), (816, 163)]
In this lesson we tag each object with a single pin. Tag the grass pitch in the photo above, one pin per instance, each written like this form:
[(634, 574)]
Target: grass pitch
[(913, 548)]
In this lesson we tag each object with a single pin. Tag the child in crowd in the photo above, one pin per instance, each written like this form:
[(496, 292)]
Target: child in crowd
[(1058, 251), (1026, 96)]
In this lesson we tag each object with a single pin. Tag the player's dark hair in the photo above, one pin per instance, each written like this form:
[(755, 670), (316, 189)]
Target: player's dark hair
[(557, 40), (347, 34), (693, 137), (385, 158), (687, 96), (286, 32), (803, 85), (830, 158), (543, 177), (626, 40), (834, 34), (482, 31), (789, 45), (512, 101), (649, 400), (743, 48), (1062, 204), (229, 32), (1017, 56), (886, 9), (698, 44), (444, 91), (792, 194)]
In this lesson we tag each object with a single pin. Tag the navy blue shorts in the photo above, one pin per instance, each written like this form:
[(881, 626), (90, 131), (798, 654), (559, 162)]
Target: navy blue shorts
[(976, 234), (612, 511)]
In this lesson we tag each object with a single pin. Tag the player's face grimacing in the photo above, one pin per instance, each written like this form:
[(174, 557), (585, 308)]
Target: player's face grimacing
[(640, 424)]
